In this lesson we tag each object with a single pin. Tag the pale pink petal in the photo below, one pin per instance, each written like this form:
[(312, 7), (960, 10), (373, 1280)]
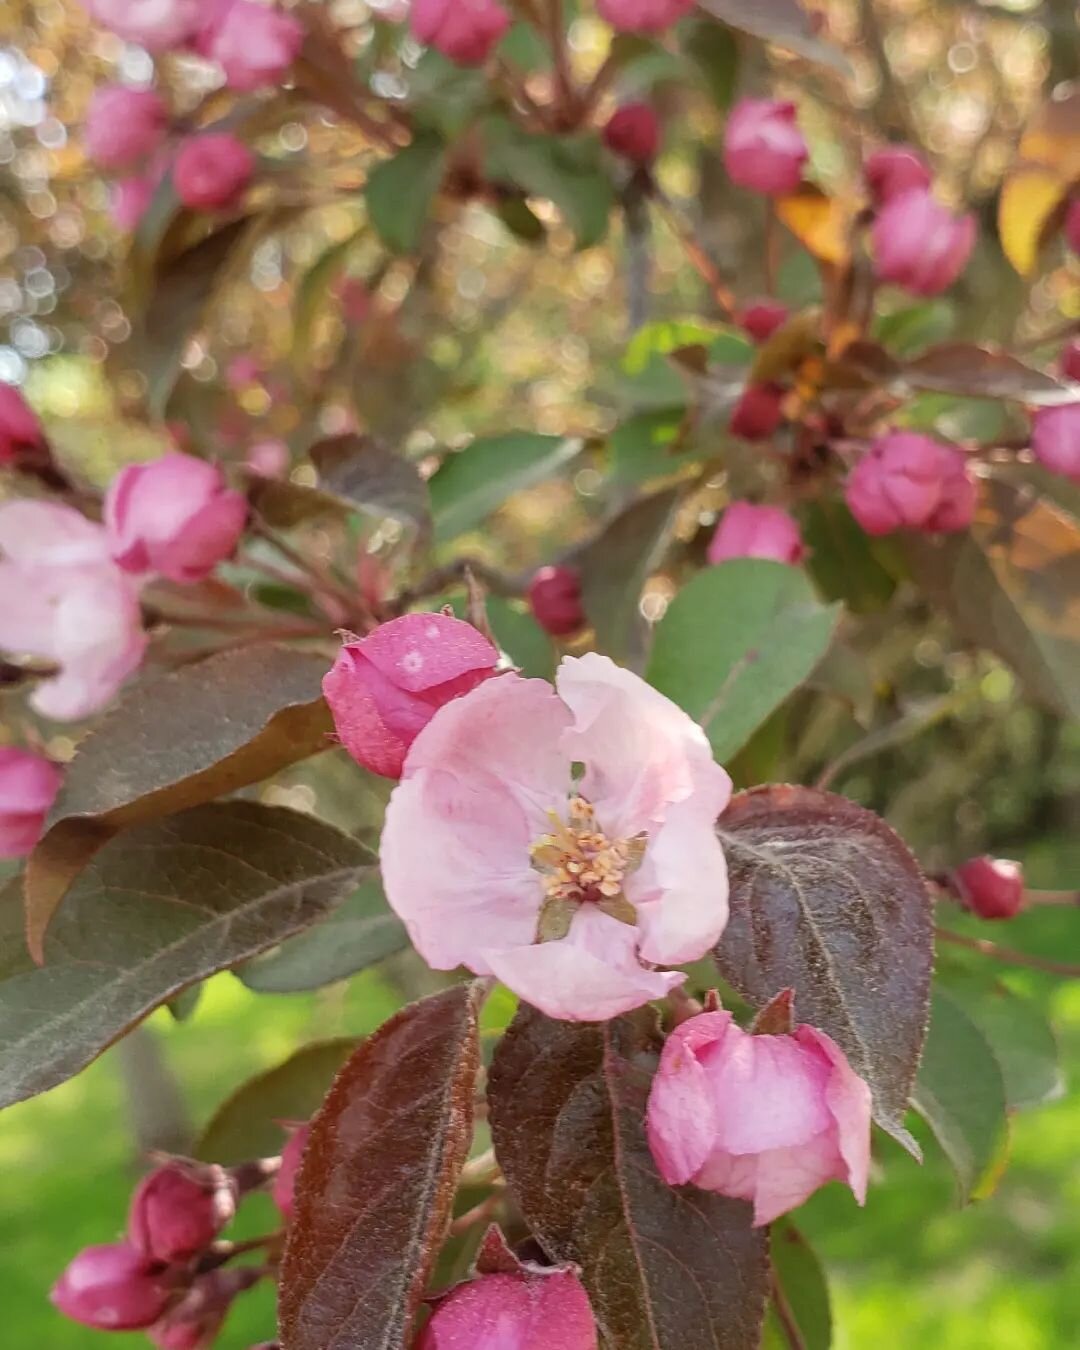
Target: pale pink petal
[(768, 1092), (775, 1180), (513, 1312), (848, 1099), (207, 538), (589, 976), (641, 752), (43, 532), (678, 1120), (27, 598), (681, 889)]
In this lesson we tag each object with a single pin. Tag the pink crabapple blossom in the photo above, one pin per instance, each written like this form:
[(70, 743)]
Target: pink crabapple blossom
[(908, 481), (758, 413), (129, 200), (253, 43), (464, 31), (194, 1322), (113, 1288), (19, 426), (124, 126), (764, 150), (29, 783), (63, 600), (555, 600), (212, 170), (534, 1310), (643, 16), (1055, 439), (895, 169), (760, 319), (157, 25), (633, 132), (173, 516), (993, 888), (283, 1190), (764, 1118), (919, 244), (749, 531), (569, 892), (268, 459), (179, 1209)]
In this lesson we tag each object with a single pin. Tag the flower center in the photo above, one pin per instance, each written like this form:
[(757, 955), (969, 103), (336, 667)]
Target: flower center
[(579, 863)]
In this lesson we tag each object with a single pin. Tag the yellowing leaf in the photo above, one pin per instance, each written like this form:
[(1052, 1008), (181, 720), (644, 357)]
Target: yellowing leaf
[(1052, 137), (819, 223), (1029, 198)]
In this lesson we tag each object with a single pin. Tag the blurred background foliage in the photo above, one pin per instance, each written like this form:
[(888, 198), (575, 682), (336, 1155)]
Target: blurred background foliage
[(479, 332)]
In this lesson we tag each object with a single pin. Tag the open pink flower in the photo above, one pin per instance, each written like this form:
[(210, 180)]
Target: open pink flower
[(762, 1118), (569, 891), (533, 1310)]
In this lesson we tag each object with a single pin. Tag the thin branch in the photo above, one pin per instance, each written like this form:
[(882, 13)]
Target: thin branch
[(913, 723), (1009, 955), (697, 256), (564, 81), (784, 1315), (441, 578)]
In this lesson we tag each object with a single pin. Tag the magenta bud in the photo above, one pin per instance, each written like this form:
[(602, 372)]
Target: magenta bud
[(895, 169), (643, 16), (555, 599), (919, 244), (292, 1155), (764, 150), (212, 170), (993, 888), (1055, 439), (20, 429), (758, 413), (749, 531), (633, 132), (179, 1209), (907, 481), (465, 31), (112, 1288), (760, 319), (534, 1310)]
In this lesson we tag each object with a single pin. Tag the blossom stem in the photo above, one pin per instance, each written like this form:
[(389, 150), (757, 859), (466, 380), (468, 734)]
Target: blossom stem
[(784, 1315), (1009, 955), (441, 578), (480, 1213)]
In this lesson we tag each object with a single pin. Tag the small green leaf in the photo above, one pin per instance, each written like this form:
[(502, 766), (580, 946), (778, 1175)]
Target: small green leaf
[(715, 54), (400, 192), (567, 170), (735, 642), (843, 559), (907, 331), (642, 448), (472, 483), (521, 637), (1020, 1037), (960, 1093), (802, 1285)]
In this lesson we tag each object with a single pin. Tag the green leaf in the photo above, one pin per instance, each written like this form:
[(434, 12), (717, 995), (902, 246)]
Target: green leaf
[(400, 192), (960, 1093), (735, 642), (715, 55), (783, 22), (248, 1123), (158, 909), (472, 483), (361, 932), (827, 901), (313, 287), (666, 1268), (521, 637), (642, 447), (1020, 1037), (843, 559), (376, 1189), (567, 170), (908, 330), (804, 1290)]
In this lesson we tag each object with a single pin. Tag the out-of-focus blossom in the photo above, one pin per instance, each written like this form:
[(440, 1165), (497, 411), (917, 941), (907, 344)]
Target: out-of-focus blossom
[(28, 786), (907, 481), (1055, 439), (124, 126), (112, 1288), (157, 25), (643, 16), (555, 600), (758, 413), (895, 169), (465, 31), (1070, 359), (919, 244), (254, 44), (212, 170), (19, 427), (128, 201), (268, 459), (992, 887), (633, 132), (749, 531), (764, 150), (761, 318), (534, 1310)]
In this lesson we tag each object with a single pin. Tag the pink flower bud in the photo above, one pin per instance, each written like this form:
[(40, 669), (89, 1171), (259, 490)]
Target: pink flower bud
[(112, 1288), (1055, 439), (283, 1191), (124, 126), (179, 1209), (761, 318), (643, 16), (212, 170), (907, 481), (992, 887), (384, 689), (535, 1310), (253, 44), (764, 149), (28, 786), (758, 413), (895, 169), (243, 370), (465, 31), (633, 131), (194, 1322), (268, 459), (129, 200), (762, 1118), (555, 598), (173, 516), (157, 25), (1072, 225), (748, 531), (19, 426), (919, 244), (1070, 361), (354, 298)]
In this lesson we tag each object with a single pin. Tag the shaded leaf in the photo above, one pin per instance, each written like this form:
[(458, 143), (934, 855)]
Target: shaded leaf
[(158, 909), (1012, 585), (521, 637), (961, 368), (401, 189), (906, 331), (783, 22), (666, 1268), (313, 288), (644, 447), (248, 1124), (195, 734), (735, 642), (568, 170), (803, 1287), (960, 1093), (374, 1195), (826, 900), (843, 559), (361, 932), (472, 483), (715, 53), (368, 475), (1019, 1036)]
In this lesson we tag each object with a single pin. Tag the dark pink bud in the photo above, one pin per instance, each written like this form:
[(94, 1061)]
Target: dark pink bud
[(465, 31), (174, 516), (124, 126), (384, 689), (907, 481), (764, 149), (895, 169), (1055, 439), (758, 413), (1072, 225), (179, 1209), (355, 300), (555, 598), (748, 531), (194, 1323), (19, 427), (212, 170), (643, 16), (1070, 359), (112, 1288), (633, 131), (28, 786), (992, 887), (292, 1155), (919, 244), (534, 1310), (761, 318)]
